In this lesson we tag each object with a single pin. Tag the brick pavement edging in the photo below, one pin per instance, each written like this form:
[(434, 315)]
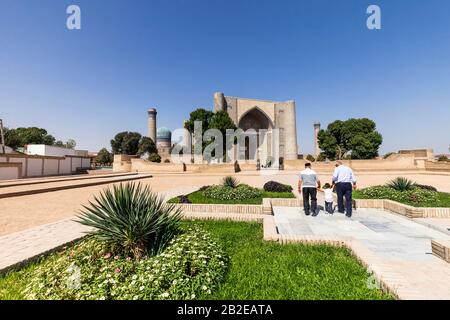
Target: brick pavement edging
[(441, 249), (403, 209), (264, 208)]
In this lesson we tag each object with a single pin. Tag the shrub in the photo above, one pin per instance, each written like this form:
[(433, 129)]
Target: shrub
[(401, 184), (191, 266), (131, 220), (241, 192), (425, 187), (414, 196), (310, 158), (154, 157), (230, 181), (273, 186), (443, 158), (321, 157), (167, 161), (184, 199)]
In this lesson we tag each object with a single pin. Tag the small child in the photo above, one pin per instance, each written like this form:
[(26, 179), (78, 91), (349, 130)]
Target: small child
[(328, 191)]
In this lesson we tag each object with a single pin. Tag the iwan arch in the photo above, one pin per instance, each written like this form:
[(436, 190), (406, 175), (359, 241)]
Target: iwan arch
[(259, 115)]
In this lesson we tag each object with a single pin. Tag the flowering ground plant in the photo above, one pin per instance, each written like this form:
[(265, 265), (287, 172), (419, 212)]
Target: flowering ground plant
[(190, 267)]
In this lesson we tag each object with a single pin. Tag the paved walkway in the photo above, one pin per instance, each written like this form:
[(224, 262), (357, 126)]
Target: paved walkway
[(398, 246)]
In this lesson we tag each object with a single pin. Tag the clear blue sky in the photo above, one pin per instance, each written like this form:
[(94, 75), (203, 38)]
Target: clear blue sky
[(130, 55)]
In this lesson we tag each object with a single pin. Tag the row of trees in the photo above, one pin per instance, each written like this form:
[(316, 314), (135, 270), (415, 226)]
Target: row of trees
[(20, 137)]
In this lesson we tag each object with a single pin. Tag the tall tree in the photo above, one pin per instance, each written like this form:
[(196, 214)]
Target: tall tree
[(126, 143), (104, 157), (353, 138), (202, 115), (146, 146)]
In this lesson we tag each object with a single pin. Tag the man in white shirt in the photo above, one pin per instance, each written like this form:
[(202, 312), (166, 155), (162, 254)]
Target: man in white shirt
[(308, 184), (345, 182)]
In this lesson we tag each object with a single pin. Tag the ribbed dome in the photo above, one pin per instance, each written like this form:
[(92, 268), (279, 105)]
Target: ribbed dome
[(163, 133)]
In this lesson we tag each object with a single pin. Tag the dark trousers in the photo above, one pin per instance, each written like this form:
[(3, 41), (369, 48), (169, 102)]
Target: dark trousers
[(329, 207), (344, 189), (309, 193)]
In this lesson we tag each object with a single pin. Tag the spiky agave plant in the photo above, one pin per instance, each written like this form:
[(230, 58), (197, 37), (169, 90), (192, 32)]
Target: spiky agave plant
[(132, 220), (230, 181), (401, 184)]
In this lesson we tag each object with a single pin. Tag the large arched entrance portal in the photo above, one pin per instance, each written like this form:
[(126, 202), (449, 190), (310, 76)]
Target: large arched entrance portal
[(252, 123)]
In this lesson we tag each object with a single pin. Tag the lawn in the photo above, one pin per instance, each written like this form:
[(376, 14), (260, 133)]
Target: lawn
[(264, 270), (198, 197), (442, 197)]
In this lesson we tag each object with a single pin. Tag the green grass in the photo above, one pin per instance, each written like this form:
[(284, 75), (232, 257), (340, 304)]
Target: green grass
[(264, 270), (444, 200), (198, 197)]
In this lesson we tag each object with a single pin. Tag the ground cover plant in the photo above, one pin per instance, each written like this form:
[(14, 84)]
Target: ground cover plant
[(406, 191), (231, 192)]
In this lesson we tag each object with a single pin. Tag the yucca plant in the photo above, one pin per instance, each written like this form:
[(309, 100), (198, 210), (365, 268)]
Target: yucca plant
[(230, 181), (131, 220), (401, 184)]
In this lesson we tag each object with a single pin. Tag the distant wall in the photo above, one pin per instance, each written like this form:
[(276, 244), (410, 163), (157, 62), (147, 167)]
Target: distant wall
[(397, 162), (16, 166)]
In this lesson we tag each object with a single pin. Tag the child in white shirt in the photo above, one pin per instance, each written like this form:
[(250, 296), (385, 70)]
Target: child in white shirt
[(328, 193)]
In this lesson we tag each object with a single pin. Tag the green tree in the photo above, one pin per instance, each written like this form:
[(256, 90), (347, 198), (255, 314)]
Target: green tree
[(310, 158), (353, 138), (71, 144), (154, 157), (146, 146), (20, 137), (12, 138), (60, 144), (104, 157), (126, 143), (202, 115)]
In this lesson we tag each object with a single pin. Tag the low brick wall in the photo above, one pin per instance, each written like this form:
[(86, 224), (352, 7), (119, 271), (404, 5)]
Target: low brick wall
[(264, 208), (441, 249), (403, 209), (282, 202), (221, 208)]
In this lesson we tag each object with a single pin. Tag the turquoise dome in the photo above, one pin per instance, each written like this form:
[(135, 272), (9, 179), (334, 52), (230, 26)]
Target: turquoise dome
[(163, 133)]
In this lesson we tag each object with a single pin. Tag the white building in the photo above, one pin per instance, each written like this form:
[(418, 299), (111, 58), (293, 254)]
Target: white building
[(52, 151)]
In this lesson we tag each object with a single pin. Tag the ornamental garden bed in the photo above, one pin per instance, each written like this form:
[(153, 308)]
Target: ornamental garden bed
[(407, 192), (231, 192), (252, 270), (139, 249)]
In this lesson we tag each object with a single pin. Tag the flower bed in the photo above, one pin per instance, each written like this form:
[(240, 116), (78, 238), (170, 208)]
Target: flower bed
[(416, 196), (191, 266), (237, 194)]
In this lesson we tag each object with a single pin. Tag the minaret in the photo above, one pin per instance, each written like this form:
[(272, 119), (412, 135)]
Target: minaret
[(316, 139), (152, 124)]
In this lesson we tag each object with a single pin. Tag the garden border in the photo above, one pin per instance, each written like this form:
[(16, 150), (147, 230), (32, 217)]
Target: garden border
[(256, 209), (403, 209)]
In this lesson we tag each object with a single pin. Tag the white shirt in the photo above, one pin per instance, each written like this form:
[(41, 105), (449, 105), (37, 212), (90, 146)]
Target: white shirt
[(343, 174), (328, 195)]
